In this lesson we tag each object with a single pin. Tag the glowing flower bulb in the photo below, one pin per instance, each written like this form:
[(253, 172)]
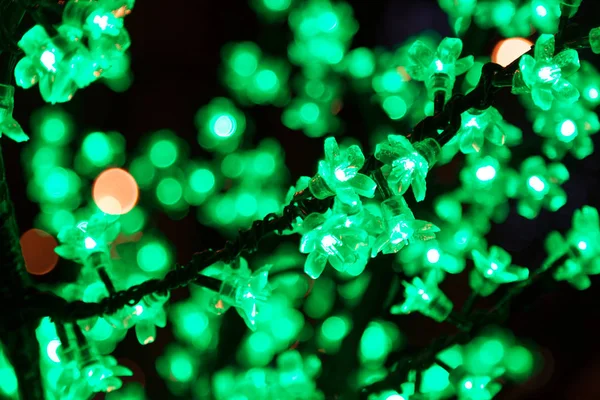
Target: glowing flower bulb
[(493, 269), (343, 164), (333, 238), (150, 313), (401, 227), (438, 69), (245, 290), (544, 76), (407, 165), (424, 297)]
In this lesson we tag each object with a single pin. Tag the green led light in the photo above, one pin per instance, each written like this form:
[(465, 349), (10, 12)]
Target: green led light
[(519, 360), (568, 128), (486, 173), (54, 129), (309, 112), (153, 256), (232, 165), (163, 153), (169, 191), (395, 107), (433, 256), (224, 125), (361, 62), (335, 328), (277, 5), (97, 148), (202, 180)]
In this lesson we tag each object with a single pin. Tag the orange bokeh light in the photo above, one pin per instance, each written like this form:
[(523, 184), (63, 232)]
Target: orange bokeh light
[(115, 191), (37, 247), (508, 50)]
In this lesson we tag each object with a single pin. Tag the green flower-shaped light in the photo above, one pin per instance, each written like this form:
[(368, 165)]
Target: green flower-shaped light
[(150, 313), (401, 227), (243, 289), (585, 236), (539, 186), (60, 65), (478, 125), (335, 239), (567, 129), (483, 183), (595, 40), (87, 238), (8, 125), (407, 165), (544, 76), (493, 269), (338, 175), (92, 374), (438, 69), (424, 297)]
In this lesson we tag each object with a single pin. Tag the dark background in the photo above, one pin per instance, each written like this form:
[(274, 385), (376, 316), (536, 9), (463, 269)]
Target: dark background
[(175, 59)]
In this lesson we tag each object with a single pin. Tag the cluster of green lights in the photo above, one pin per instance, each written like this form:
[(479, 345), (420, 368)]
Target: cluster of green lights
[(322, 32), (63, 63), (254, 78)]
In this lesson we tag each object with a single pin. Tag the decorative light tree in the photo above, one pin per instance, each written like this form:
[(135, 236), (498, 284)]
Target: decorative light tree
[(305, 338)]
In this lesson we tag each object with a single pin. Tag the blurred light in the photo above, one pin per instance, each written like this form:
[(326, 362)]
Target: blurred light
[(51, 350), (53, 129), (153, 256), (486, 173), (394, 106), (202, 180), (536, 183), (115, 191), (277, 5), (541, 11), (568, 128), (433, 256), (334, 328), (169, 191), (224, 125), (97, 148), (508, 50), (38, 251), (163, 153)]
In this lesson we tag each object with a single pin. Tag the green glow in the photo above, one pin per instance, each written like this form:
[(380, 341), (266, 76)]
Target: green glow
[(592, 93), (309, 112), (153, 256), (568, 128), (57, 185), (266, 80), (143, 171), (51, 350), (277, 5), (395, 107), (361, 63), (133, 221), (264, 164), (541, 11), (246, 204), (244, 62), (202, 180), (224, 125), (433, 256), (163, 153), (519, 360), (260, 342), (435, 379), (8, 379), (232, 165), (335, 328), (182, 368), (536, 183), (169, 191), (54, 129), (391, 81), (486, 173), (375, 343), (97, 148)]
